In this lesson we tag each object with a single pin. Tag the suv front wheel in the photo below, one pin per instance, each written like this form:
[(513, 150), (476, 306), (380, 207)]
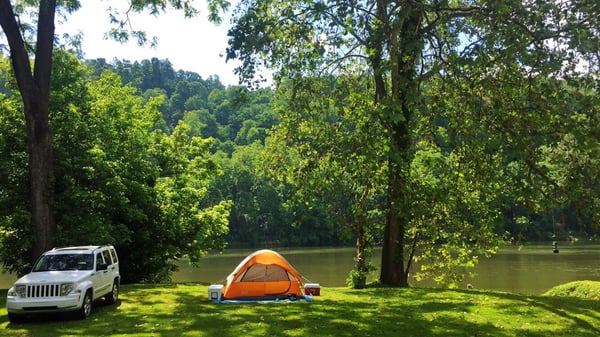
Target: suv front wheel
[(86, 307), (14, 318)]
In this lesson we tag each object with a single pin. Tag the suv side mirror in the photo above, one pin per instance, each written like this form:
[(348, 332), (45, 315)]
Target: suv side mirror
[(102, 266)]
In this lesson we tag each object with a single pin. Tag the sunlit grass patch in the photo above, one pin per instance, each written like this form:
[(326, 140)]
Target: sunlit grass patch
[(184, 310)]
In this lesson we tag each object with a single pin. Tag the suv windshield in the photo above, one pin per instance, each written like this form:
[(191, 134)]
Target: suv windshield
[(64, 262)]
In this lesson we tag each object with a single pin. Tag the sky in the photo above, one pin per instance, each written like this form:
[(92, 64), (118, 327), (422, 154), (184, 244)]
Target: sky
[(189, 44)]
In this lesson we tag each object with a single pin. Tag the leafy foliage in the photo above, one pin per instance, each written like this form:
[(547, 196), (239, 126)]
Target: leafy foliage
[(15, 233), (238, 121), (32, 69), (502, 137), (118, 181), (324, 148), (463, 92)]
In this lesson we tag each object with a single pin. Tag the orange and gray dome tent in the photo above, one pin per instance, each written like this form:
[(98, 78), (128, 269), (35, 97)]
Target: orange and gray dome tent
[(264, 274)]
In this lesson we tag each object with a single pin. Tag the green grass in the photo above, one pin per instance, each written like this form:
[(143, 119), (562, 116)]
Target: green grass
[(183, 310)]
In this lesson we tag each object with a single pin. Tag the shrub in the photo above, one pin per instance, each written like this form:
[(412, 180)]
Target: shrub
[(580, 289)]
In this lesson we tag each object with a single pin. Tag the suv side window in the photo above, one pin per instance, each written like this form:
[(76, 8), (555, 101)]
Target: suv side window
[(113, 254), (106, 255), (99, 260)]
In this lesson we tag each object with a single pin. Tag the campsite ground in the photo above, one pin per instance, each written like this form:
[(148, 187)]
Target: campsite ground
[(183, 310)]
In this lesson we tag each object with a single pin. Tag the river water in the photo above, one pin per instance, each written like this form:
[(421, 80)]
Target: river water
[(525, 270)]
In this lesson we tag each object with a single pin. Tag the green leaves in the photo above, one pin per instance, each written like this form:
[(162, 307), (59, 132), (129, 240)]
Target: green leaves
[(328, 147), (215, 7), (122, 18), (469, 110), (117, 180)]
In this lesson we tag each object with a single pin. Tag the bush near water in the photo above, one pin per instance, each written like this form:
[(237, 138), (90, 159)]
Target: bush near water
[(580, 289)]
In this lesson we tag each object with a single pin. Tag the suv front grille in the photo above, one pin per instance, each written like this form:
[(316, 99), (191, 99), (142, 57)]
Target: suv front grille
[(42, 290)]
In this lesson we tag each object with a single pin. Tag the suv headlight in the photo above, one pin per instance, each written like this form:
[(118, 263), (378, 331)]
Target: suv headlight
[(67, 288), (17, 291)]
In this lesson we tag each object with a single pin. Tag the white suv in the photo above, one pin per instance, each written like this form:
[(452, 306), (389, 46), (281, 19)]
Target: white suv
[(66, 279)]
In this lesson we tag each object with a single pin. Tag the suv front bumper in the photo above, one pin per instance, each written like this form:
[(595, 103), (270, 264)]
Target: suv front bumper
[(20, 305)]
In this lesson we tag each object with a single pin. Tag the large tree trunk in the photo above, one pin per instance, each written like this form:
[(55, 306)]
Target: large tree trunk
[(404, 47), (360, 260), (392, 254), (363, 243), (41, 178), (35, 92)]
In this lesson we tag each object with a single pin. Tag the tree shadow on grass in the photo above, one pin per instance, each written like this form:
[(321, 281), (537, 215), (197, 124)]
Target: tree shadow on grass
[(373, 313), (184, 310), (139, 311), (578, 317), (50, 324), (388, 312)]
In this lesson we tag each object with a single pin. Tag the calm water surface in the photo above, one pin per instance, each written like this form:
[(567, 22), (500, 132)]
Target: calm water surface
[(526, 270)]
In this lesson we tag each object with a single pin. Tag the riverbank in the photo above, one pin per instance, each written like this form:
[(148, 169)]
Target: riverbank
[(184, 310)]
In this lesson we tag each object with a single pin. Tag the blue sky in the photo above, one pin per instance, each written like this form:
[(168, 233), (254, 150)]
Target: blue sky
[(190, 44)]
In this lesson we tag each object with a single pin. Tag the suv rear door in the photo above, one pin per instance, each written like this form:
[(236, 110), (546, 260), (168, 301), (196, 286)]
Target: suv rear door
[(115, 260), (102, 277)]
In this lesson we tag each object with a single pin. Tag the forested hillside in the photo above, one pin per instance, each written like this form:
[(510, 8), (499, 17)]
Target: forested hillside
[(237, 120), (436, 130), (211, 154), (266, 212)]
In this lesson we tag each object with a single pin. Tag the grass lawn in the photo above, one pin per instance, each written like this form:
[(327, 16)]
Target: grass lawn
[(184, 310)]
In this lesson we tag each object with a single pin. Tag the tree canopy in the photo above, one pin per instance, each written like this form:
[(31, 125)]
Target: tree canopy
[(420, 56), (119, 178), (29, 42), (433, 129)]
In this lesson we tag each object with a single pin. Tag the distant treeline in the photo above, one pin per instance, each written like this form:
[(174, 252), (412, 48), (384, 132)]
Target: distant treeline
[(237, 120), (264, 212)]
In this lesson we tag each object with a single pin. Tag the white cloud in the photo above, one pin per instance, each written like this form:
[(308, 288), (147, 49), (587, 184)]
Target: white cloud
[(192, 44)]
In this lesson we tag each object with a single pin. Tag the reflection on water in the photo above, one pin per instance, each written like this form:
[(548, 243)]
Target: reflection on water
[(526, 270)]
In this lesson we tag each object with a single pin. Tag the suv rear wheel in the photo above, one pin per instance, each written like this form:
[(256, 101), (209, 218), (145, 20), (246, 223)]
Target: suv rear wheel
[(113, 296)]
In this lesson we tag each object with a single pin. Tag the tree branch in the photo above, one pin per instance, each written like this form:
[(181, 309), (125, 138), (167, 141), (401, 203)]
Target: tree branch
[(18, 51), (44, 47)]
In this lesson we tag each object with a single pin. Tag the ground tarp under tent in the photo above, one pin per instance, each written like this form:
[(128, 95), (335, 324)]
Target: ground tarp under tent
[(263, 275)]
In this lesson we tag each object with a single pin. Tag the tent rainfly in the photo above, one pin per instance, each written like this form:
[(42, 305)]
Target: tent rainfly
[(263, 275)]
